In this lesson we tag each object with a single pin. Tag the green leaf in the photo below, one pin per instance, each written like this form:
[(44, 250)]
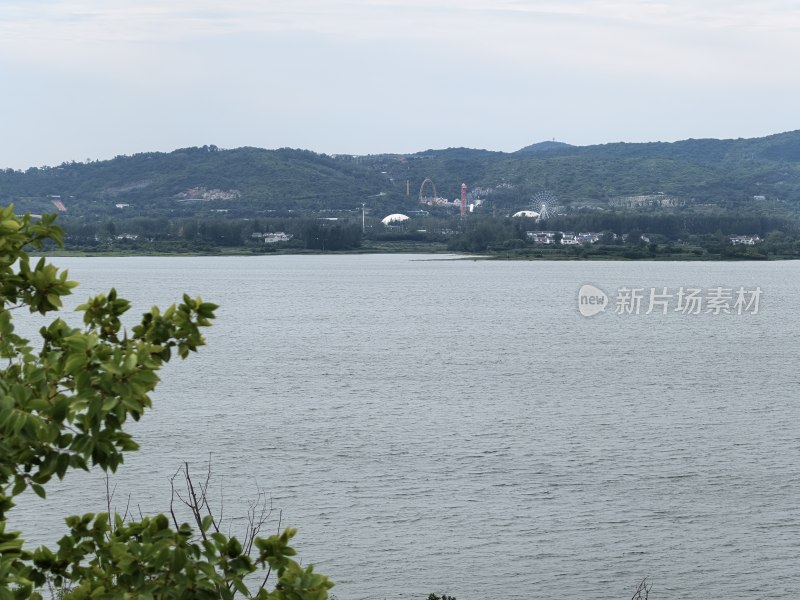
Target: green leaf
[(206, 523), (240, 586), (19, 486)]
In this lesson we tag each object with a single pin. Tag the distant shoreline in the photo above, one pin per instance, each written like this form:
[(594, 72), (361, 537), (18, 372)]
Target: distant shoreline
[(544, 255)]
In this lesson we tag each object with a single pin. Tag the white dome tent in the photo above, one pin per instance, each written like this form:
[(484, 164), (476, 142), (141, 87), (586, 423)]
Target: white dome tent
[(394, 218)]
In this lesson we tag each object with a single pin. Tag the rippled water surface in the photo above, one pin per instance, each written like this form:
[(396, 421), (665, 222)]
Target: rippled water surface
[(457, 426)]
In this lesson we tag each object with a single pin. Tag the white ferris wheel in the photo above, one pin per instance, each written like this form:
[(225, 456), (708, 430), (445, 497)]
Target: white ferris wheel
[(544, 203)]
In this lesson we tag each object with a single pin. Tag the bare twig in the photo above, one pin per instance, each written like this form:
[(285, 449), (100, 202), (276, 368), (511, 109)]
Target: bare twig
[(642, 590), (204, 493), (258, 513), (112, 510), (126, 514), (194, 496), (172, 495), (194, 505), (269, 569), (109, 498)]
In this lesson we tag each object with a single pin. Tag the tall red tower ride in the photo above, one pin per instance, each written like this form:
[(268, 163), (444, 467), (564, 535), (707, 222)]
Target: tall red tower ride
[(463, 199)]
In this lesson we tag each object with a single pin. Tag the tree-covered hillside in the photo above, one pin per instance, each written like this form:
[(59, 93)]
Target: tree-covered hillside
[(191, 180), (726, 173)]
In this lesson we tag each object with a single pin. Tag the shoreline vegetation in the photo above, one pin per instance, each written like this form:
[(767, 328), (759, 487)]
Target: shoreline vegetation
[(485, 238), (621, 236), (614, 236), (654, 252)]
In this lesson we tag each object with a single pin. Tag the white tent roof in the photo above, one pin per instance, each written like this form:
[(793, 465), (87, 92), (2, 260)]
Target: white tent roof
[(394, 218)]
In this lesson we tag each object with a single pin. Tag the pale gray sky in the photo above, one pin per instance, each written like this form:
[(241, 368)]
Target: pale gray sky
[(95, 78)]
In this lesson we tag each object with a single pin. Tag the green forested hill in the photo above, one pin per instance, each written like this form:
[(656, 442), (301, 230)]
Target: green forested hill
[(244, 180), (700, 174)]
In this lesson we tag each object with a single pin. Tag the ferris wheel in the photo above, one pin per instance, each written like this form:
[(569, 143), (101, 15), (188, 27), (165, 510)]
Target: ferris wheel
[(544, 203)]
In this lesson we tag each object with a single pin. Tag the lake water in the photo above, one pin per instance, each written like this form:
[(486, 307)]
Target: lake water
[(457, 426)]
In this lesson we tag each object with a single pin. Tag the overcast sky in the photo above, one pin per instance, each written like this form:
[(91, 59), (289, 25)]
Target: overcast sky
[(96, 78)]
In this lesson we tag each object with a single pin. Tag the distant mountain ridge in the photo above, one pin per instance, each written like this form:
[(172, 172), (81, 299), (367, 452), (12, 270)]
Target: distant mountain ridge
[(546, 146), (778, 147), (245, 182)]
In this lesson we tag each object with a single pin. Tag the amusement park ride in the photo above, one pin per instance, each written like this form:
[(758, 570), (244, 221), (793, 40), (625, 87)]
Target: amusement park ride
[(543, 203), (436, 200)]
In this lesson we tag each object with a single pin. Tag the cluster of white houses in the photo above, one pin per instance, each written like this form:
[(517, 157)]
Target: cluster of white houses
[(567, 238), (745, 240), (271, 238)]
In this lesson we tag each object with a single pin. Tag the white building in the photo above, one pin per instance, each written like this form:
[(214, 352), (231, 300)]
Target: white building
[(744, 240)]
